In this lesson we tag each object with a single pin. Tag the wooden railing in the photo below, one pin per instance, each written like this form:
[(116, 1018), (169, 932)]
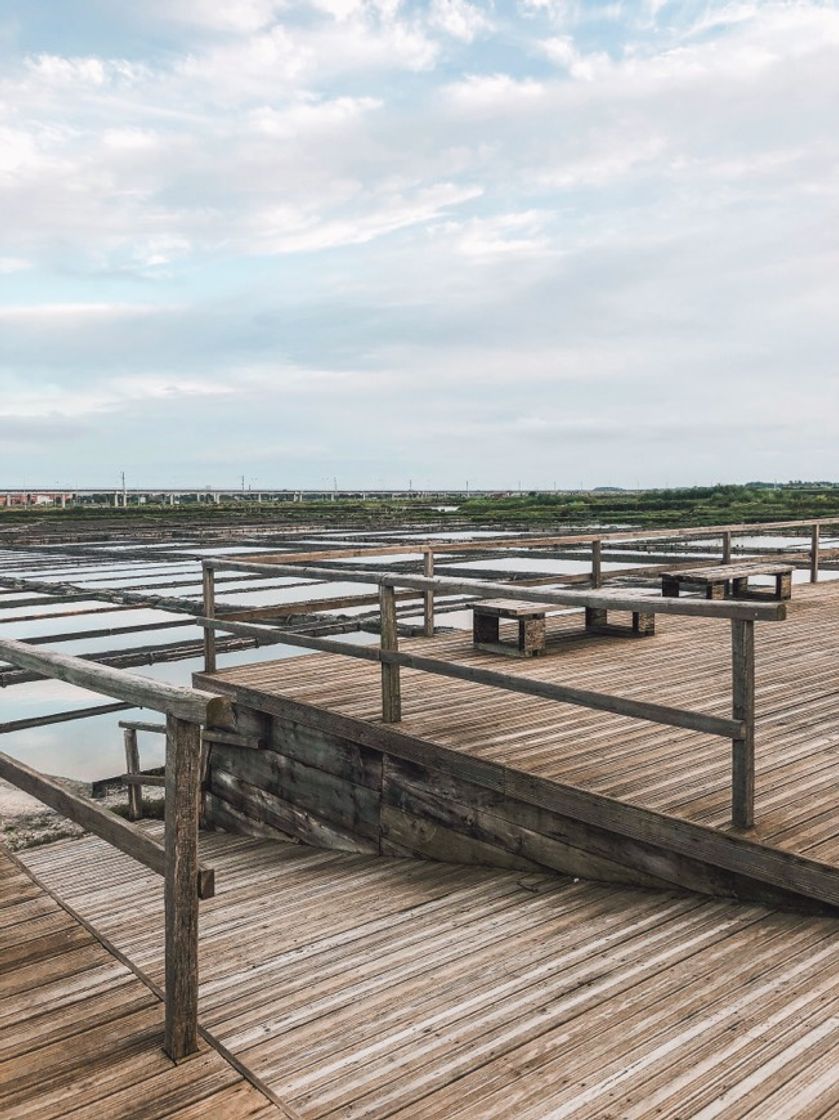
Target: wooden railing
[(595, 578), (739, 728), (186, 880)]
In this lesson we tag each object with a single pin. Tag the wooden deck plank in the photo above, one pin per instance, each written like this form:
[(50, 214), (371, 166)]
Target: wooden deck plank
[(79, 1030), (369, 988)]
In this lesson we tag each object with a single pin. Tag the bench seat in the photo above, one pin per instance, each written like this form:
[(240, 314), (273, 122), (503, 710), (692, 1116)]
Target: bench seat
[(716, 580), (487, 615)]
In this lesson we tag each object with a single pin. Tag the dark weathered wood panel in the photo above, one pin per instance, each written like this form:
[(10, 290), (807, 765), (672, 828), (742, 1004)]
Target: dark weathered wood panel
[(332, 753), (329, 797)]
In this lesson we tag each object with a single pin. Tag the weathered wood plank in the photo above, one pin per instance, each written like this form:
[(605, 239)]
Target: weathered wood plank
[(181, 872)]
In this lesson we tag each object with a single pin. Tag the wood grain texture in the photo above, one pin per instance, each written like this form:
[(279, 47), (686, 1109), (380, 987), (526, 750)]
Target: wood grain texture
[(391, 989), (81, 1034)]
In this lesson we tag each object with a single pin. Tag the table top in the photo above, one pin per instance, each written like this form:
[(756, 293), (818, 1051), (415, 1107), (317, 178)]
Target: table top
[(512, 608)]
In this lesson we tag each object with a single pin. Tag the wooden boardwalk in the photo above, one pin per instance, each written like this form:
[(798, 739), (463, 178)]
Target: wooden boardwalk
[(682, 773), (368, 988), (81, 1034)]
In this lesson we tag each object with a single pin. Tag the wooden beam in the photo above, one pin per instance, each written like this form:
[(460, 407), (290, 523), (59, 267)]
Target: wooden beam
[(181, 902), (141, 779), (141, 725), (143, 692), (596, 564), (132, 766), (428, 596), (62, 717), (391, 690), (534, 542), (311, 606), (814, 553), (743, 709), (636, 709), (726, 547), (93, 818), (208, 576), (647, 604)]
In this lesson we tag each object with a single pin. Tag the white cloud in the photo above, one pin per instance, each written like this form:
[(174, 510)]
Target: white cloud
[(459, 18), (587, 201)]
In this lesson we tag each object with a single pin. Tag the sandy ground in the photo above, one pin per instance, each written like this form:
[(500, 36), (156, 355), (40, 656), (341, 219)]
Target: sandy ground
[(26, 822)]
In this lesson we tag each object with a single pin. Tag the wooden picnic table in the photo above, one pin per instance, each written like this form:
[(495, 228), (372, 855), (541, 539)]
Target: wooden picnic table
[(716, 580), (487, 615)]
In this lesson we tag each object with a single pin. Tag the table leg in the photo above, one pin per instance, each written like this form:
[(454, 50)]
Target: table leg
[(739, 586), (531, 636), (670, 587), (484, 628), (783, 585), (643, 623), (595, 618)]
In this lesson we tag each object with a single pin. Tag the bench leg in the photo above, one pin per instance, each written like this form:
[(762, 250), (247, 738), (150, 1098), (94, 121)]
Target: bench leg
[(670, 587), (484, 628), (783, 585), (739, 586), (715, 590), (595, 618), (643, 624), (531, 636)]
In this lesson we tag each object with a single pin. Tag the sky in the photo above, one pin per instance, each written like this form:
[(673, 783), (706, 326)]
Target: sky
[(538, 243)]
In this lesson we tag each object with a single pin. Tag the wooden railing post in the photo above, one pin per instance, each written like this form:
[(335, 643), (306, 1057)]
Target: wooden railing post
[(209, 584), (428, 596), (391, 689), (814, 553), (726, 547), (181, 886), (132, 766), (743, 750), (596, 564)]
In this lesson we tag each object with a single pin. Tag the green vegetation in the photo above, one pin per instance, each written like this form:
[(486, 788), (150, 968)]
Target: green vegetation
[(711, 505), (707, 505)]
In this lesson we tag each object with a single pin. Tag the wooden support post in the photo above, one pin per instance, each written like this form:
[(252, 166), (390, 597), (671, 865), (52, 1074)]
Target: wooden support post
[(596, 619), (596, 564), (181, 886), (726, 548), (743, 750), (391, 689), (209, 582), (428, 596), (814, 553), (132, 766)]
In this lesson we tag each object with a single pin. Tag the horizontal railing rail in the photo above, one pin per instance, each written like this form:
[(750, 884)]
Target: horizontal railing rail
[(596, 600), (185, 878), (600, 701)]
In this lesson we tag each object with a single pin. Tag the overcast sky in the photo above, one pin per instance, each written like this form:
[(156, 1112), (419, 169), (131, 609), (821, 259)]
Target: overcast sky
[(545, 242)]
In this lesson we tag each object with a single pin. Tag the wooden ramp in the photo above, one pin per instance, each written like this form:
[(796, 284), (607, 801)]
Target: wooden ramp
[(469, 763), (81, 1034), (369, 988)]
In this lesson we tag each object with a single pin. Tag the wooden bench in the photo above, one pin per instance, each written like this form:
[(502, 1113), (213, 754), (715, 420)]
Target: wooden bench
[(716, 580), (486, 619), (530, 642)]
